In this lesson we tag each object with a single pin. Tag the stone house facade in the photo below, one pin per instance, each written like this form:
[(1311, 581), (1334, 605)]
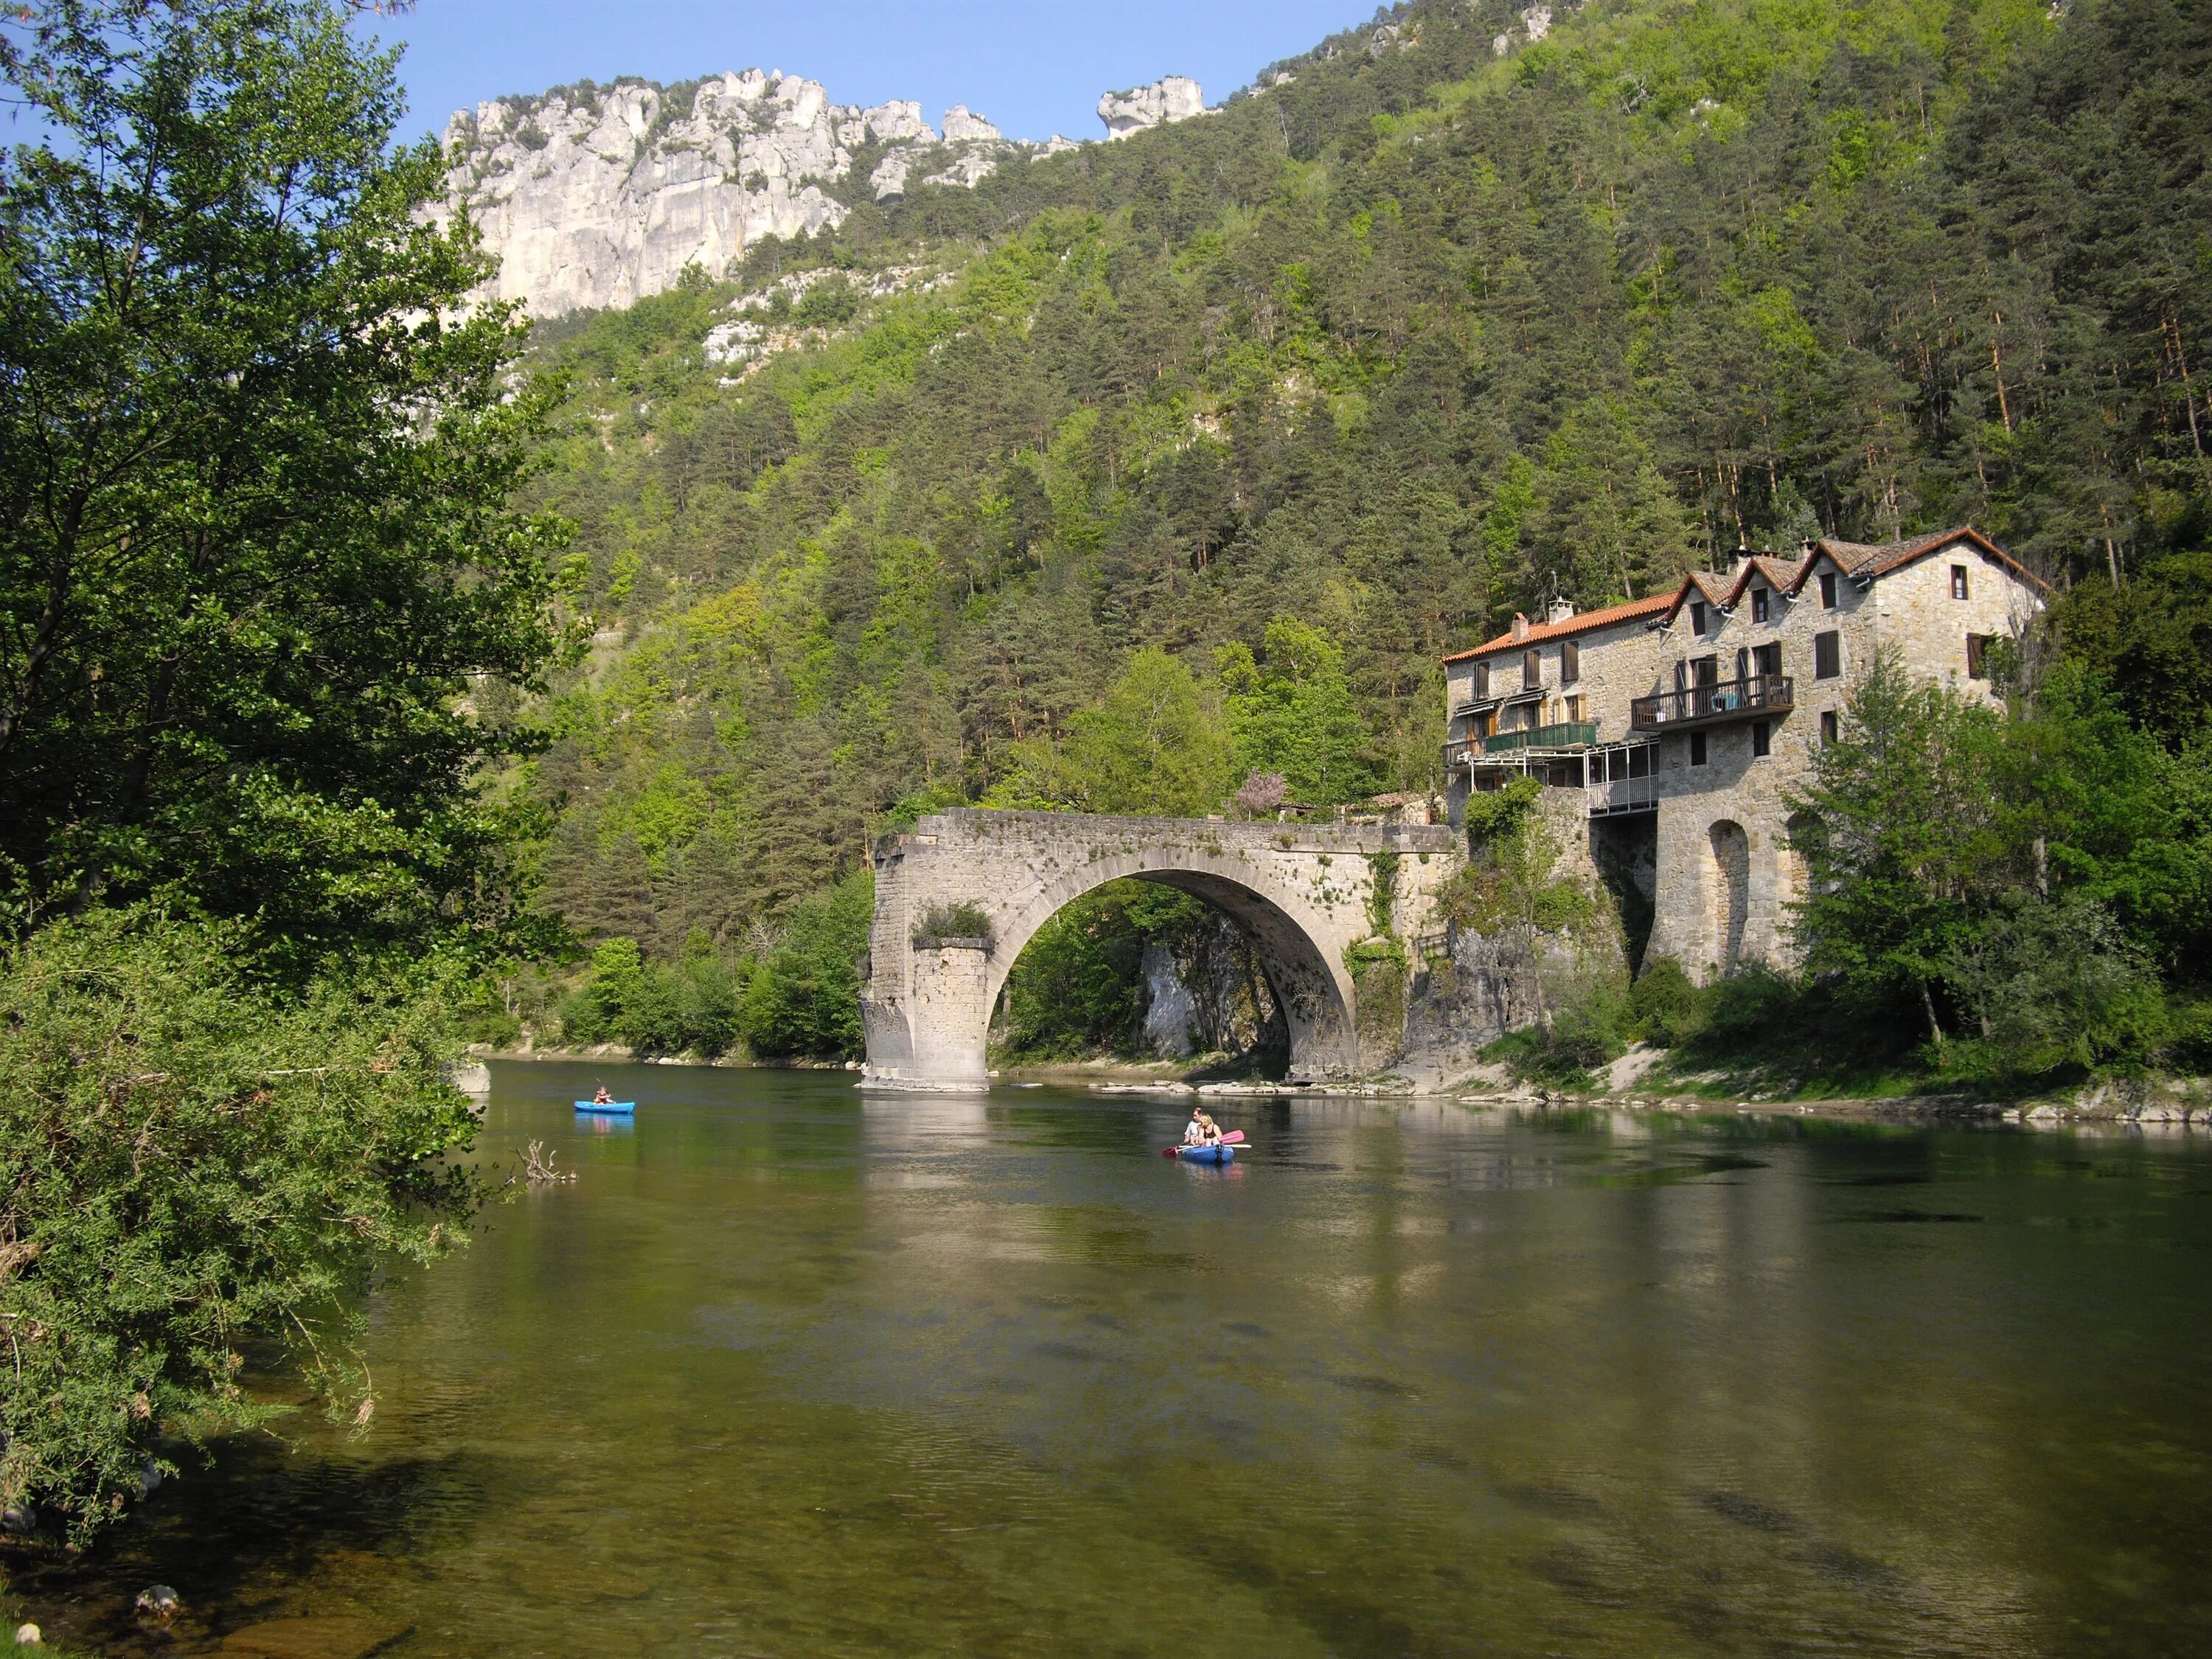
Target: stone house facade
[(1687, 721)]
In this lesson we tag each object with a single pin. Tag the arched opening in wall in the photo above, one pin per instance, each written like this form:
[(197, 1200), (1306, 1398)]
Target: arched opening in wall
[(1728, 891), (1140, 970)]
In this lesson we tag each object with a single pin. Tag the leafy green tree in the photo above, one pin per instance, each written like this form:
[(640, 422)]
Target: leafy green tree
[(256, 454), (803, 1001), (1153, 744), (1897, 831), (1295, 715), (191, 1163)]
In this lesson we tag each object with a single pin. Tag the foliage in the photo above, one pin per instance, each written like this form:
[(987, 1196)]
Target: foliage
[(803, 1000), (1295, 715), (191, 1163), (692, 1005), (255, 462), (1152, 744), (1894, 831), (1663, 1005), (953, 921), (2022, 877)]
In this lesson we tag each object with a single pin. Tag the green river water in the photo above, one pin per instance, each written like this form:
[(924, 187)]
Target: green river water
[(789, 1370)]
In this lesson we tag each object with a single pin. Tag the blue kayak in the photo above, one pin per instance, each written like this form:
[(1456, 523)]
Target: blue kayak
[(612, 1108), (1207, 1154)]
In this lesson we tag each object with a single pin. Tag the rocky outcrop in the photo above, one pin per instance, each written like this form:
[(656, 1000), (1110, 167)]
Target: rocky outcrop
[(594, 197), (1174, 98)]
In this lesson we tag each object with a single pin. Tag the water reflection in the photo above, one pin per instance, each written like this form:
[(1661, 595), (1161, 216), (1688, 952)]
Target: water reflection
[(788, 1372)]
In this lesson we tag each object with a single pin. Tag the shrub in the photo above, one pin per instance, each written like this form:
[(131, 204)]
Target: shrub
[(1664, 1008), (944, 922)]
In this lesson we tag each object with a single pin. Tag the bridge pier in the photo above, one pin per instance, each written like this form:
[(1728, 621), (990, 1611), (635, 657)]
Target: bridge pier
[(1303, 894)]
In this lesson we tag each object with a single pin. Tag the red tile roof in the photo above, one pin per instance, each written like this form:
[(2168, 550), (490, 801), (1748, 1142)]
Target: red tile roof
[(1861, 559), (1581, 623)]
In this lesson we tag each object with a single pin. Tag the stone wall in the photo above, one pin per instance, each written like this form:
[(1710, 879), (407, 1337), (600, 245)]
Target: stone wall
[(1303, 895)]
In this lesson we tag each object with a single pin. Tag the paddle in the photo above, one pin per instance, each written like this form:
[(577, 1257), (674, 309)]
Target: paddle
[(1234, 1138)]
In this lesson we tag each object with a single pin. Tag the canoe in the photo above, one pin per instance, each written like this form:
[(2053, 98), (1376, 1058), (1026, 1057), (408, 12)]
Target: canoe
[(612, 1108), (1207, 1154)]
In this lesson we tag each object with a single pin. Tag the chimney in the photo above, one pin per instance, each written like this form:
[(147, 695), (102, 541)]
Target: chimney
[(1562, 610), (1520, 626)]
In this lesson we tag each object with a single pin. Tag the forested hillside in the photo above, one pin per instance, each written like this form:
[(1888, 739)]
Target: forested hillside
[(1295, 397)]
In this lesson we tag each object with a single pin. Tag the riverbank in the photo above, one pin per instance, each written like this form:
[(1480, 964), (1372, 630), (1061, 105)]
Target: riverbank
[(1640, 1082)]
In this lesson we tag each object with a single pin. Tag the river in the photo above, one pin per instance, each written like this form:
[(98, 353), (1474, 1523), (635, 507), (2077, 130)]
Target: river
[(788, 1370)]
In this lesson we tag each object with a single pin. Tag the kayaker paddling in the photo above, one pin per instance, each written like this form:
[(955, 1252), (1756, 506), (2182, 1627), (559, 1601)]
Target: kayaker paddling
[(602, 1098), (1202, 1131)]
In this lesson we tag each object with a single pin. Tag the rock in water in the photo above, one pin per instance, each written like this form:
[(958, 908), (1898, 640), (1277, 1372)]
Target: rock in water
[(1172, 98), (338, 1637), (158, 1602)]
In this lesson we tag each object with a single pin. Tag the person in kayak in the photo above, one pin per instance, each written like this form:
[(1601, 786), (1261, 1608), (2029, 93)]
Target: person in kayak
[(1202, 1131), (602, 1098)]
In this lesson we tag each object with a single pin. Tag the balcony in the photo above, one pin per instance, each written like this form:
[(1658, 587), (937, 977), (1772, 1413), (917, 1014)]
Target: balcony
[(1713, 705), (1509, 746), (1575, 734)]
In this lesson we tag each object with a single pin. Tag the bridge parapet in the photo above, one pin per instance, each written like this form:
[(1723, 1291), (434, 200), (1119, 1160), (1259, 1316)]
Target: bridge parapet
[(1303, 894)]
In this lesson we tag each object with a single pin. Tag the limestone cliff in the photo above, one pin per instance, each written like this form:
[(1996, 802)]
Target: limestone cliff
[(1173, 98), (595, 197)]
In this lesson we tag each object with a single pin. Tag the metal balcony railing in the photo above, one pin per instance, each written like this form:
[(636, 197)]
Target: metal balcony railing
[(1574, 734), (1708, 704)]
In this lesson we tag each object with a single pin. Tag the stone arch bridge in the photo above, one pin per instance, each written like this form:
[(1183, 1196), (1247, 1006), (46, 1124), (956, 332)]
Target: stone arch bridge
[(1303, 894)]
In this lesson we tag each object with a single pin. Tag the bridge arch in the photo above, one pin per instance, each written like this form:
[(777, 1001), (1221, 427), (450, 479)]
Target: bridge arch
[(1301, 894)]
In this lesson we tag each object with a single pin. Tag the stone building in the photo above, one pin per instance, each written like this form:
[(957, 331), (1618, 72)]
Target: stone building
[(1687, 720)]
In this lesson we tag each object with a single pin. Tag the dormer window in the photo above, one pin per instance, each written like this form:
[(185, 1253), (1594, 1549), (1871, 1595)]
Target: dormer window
[(1697, 619), (1828, 591), (1758, 605)]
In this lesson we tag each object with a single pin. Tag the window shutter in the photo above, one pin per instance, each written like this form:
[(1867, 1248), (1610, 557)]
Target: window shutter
[(1571, 663), (1827, 655)]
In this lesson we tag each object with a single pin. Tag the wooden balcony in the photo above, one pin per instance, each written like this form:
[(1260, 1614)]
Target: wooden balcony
[(1572, 736), (1750, 698)]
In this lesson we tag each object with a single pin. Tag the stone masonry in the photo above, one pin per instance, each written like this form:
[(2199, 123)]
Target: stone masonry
[(1303, 894), (1745, 674)]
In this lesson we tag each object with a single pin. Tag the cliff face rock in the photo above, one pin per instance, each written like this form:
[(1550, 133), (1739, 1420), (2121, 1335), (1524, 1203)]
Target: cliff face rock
[(598, 196), (1174, 98)]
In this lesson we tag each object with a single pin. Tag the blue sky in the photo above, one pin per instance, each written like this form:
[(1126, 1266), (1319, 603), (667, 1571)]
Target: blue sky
[(1035, 69)]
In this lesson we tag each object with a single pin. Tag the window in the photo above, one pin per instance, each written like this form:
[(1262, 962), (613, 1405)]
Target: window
[(1828, 592), (1481, 681), (1827, 655), (1571, 663), (1707, 669), (1697, 749), (1758, 605), (1573, 710), (1767, 659), (1977, 655), (1697, 619), (1958, 581), (1828, 733), (1762, 739), (1532, 669)]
